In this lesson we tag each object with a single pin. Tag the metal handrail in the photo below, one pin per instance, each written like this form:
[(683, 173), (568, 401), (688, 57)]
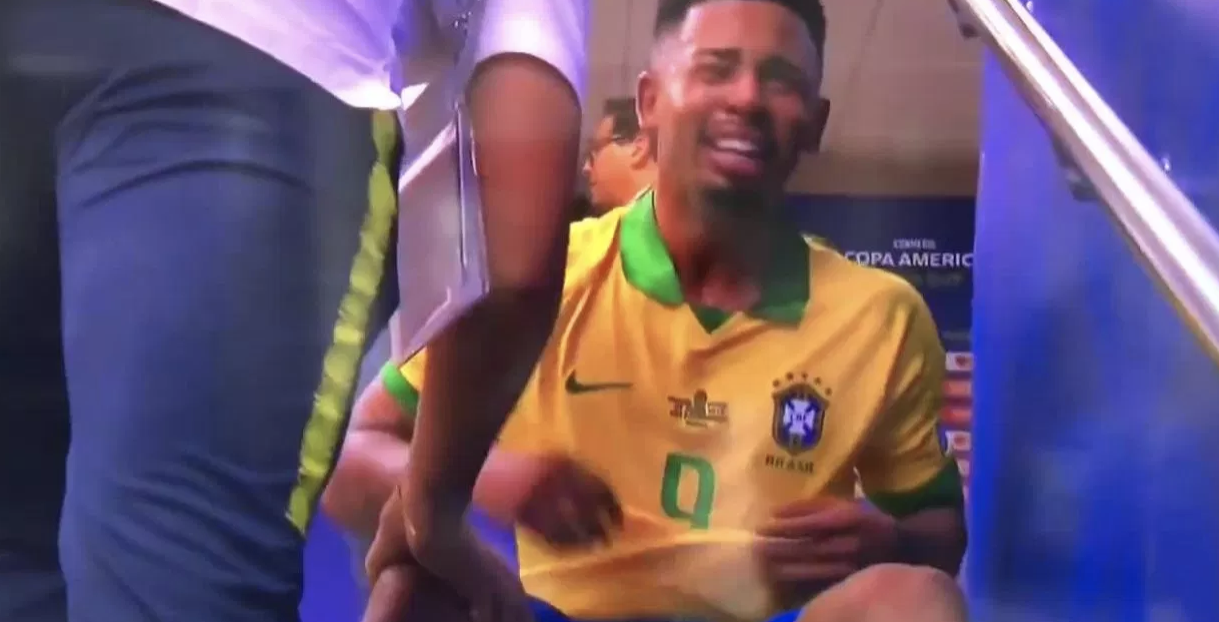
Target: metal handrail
[(1162, 225)]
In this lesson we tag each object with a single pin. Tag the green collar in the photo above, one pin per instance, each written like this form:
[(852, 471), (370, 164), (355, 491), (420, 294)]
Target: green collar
[(648, 268)]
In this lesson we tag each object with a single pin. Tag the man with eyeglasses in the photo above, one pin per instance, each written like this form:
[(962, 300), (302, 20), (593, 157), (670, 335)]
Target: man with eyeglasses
[(620, 162)]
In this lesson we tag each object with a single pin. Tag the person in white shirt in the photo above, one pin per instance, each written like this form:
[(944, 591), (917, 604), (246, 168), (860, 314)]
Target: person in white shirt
[(195, 179)]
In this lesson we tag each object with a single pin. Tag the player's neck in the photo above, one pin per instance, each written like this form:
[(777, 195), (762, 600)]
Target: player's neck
[(720, 262), (642, 179), (636, 182)]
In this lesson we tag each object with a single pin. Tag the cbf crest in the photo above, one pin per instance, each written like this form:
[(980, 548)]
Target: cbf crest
[(799, 413)]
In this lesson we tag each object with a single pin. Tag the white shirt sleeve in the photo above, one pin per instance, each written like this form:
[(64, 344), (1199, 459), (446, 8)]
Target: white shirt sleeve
[(554, 31)]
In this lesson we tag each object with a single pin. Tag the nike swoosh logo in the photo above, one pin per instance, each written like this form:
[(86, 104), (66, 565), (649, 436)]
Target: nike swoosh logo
[(576, 387)]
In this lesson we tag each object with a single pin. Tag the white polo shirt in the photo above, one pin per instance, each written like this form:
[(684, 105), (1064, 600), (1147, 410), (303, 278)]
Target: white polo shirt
[(368, 53)]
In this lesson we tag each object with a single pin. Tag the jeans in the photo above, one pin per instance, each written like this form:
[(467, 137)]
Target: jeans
[(192, 210)]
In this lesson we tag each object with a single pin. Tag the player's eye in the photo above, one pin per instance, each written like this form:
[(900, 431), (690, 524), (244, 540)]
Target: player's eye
[(782, 78), (714, 71)]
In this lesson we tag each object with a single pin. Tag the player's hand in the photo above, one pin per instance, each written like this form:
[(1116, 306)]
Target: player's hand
[(406, 592), (568, 505), (809, 545), (445, 556)]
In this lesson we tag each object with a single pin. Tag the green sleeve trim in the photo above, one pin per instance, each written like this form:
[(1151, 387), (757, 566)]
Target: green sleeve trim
[(406, 395), (942, 491)]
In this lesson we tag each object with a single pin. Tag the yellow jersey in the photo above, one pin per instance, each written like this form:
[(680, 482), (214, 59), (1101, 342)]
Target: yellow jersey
[(703, 422)]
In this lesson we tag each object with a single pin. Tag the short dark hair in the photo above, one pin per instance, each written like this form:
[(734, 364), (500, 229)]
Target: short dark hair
[(623, 119), (671, 13)]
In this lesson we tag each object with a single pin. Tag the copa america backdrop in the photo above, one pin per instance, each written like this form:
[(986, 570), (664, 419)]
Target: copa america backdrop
[(929, 242)]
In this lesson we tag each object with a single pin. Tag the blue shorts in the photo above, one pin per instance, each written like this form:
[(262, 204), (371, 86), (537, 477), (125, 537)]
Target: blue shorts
[(543, 612)]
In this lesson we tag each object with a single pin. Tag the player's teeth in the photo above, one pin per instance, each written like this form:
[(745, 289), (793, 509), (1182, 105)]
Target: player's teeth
[(733, 144)]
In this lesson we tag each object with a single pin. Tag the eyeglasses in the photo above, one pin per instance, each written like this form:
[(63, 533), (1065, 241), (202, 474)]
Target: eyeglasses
[(596, 146)]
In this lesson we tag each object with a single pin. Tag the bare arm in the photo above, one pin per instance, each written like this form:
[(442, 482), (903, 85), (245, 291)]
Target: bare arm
[(933, 537), (527, 122), (378, 449), (375, 453)]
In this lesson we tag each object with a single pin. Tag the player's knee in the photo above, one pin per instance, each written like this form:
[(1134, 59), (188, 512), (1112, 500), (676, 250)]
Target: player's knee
[(890, 592), (901, 583)]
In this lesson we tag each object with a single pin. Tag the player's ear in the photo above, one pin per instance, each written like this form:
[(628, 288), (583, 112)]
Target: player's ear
[(641, 150), (813, 131), (647, 90)]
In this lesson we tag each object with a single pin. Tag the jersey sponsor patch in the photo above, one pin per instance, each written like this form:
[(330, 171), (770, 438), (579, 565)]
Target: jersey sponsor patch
[(799, 414), (698, 411)]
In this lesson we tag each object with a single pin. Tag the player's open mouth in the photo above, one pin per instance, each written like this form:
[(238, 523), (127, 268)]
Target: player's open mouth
[(737, 157)]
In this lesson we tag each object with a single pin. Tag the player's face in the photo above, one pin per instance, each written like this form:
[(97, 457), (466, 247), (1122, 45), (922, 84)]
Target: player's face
[(608, 168), (733, 98)]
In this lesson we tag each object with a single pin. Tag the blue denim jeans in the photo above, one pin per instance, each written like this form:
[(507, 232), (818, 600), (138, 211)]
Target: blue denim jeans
[(199, 207)]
